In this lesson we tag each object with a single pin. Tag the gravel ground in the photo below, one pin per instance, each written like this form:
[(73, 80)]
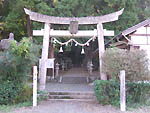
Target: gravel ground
[(73, 107)]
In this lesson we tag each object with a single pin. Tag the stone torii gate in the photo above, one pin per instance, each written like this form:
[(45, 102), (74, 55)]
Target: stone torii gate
[(47, 32)]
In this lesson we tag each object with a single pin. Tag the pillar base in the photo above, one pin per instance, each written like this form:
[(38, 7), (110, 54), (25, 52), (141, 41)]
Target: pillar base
[(103, 76), (41, 87)]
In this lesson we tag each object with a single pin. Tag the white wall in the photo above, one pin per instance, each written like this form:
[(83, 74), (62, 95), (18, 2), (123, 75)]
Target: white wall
[(142, 41)]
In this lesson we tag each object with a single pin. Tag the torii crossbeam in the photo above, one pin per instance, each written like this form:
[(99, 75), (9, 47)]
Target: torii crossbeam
[(79, 34), (47, 32)]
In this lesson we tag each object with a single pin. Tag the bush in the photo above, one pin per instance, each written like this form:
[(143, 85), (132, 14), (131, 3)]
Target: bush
[(108, 92), (24, 95), (16, 64), (8, 92), (134, 62)]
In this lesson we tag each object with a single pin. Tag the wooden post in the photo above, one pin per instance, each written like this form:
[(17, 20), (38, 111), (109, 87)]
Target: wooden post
[(100, 33), (57, 69), (34, 86), (43, 69), (122, 91), (50, 72)]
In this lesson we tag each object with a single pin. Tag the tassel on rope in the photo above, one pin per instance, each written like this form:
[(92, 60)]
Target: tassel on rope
[(67, 43), (82, 52), (87, 44), (71, 42), (61, 50), (76, 44), (54, 41)]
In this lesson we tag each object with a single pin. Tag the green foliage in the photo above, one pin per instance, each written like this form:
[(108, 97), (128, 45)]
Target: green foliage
[(9, 108), (22, 49), (24, 95), (1, 28), (16, 65), (127, 19), (8, 91), (15, 18), (134, 62), (108, 92), (43, 95)]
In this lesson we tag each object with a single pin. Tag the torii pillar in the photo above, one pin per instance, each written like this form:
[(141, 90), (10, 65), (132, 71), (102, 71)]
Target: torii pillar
[(43, 68), (101, 46)]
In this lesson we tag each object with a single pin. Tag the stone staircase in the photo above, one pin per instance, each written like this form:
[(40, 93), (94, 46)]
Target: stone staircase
[(75, 76), (73, 86), (75, 80)]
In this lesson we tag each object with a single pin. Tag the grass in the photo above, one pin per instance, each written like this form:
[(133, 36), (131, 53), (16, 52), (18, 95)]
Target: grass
[(8, 108), (5, 108), (42, 95)]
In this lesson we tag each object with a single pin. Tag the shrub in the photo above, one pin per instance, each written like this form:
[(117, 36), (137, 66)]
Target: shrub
[(16, 64), (8, 92), (108, 92), (134, 62), (24, 94)]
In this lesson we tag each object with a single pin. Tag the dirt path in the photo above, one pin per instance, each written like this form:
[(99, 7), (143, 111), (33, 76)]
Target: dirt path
[(73, 107)]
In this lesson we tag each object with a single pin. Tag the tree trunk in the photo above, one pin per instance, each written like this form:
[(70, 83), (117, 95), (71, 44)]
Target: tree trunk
[(28, 25)]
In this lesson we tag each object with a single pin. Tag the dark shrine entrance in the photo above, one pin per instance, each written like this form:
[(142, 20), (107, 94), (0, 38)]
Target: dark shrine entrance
[(74, 57)]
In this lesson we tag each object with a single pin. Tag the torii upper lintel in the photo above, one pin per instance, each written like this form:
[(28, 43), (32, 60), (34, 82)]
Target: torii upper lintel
[(66, 20)]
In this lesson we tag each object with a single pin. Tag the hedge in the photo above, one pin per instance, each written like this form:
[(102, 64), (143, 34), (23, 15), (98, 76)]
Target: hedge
[(134, 62), (108, 92)]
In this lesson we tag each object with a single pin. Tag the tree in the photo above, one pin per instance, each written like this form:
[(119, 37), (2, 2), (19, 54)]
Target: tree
[(1, 2), (15, 20), (1, 23), (144, 9)]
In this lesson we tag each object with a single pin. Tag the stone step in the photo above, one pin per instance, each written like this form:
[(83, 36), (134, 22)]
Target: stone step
[(80, 100), (74, 80), (72, 95)]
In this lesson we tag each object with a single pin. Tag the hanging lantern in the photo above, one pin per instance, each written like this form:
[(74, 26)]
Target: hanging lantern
[(66, 43), (71, 43), (87, 44), (51, 39), (61, 50), (82, 52), (76, 44), (54, 41), (94, 38)]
